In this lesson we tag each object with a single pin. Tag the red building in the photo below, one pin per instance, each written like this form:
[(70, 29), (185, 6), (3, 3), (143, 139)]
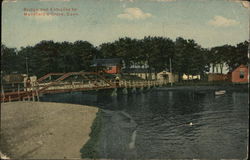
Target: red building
[(111, 66), (240, 74)]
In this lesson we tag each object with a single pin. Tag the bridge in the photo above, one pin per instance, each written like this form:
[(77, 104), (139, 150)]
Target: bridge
[(72, 82)]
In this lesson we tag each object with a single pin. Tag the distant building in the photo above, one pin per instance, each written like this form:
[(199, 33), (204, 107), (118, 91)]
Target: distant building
[(143, 73), (139, 72), (219, 68), (167, 76), (13, 82), (240, 74), (191, 77), (217, 77), (14, 78), (218, 72), (111, 66)]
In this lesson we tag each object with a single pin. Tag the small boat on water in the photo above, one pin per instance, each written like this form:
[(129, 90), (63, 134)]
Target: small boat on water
[(221, 92)]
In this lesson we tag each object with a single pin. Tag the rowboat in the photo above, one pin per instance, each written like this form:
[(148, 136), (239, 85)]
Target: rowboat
[(221, 92)]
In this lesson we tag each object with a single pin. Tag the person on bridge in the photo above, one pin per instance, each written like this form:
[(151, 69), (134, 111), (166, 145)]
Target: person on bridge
[(28, 84), (117, 79)]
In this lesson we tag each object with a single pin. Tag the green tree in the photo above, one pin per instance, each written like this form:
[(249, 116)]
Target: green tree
[(9, 60)]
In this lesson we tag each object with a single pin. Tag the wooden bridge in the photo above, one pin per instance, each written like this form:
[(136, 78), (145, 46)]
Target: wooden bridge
[(71, 82)]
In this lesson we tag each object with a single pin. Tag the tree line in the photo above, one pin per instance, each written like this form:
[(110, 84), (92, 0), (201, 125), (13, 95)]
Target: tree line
[(186, 55)]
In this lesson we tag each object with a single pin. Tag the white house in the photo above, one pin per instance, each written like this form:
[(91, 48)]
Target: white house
[(219, 68)]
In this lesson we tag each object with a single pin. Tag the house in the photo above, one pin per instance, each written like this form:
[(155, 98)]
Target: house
[(191, 77), (142, 73), (111, 66), (217, 77), (13, 82), (219, 68), (168, 76), (240, 74), (14, 78)]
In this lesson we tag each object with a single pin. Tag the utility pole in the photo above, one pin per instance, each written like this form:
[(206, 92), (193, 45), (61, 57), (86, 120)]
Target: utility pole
[(27, 69), (170, 66)]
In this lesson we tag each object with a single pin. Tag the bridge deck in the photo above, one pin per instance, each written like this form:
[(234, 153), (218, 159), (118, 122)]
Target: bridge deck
[(60, 86)]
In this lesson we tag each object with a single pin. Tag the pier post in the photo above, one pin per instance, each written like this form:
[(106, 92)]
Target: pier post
[(3, 94), (125, 91), (160, 83), (114, 92), (148, 85), (37, 95), (154, 85), (33, 97), (133, 90), (141, 89), (18, 91)]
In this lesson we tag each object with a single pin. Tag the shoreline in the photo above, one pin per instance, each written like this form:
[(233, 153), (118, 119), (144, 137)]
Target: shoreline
[(211, 87), (40, 130), (90, 148)]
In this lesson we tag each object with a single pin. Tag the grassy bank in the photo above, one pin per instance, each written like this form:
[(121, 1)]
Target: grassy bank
[(89, 150)]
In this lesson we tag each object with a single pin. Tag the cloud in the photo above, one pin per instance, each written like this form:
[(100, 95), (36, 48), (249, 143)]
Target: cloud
[(219, 21), (245, 3), (134, 13)]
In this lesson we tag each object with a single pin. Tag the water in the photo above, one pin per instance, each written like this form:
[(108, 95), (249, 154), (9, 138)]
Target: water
[(219, 123)]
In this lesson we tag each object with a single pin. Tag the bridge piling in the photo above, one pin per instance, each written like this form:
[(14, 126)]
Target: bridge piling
[(3, 94), (114, 92), (18, 92), (37, 95), (141, 89), (125, 90), (33, 97), (133, 90)]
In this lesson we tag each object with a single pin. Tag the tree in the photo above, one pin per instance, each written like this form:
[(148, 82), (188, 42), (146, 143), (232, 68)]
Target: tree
[(9, 60), (233, 56), (189, 58), (157, 51), (85, 53)]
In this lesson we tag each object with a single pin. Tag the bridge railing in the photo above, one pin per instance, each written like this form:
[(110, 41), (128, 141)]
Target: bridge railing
[(142, 83), (64, 86), (101, 84)]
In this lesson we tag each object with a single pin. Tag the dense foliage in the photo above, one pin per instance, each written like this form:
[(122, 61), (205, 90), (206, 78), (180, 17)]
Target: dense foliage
[(153, 53)]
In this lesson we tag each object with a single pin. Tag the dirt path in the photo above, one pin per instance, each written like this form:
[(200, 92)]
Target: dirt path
[(41, 130)]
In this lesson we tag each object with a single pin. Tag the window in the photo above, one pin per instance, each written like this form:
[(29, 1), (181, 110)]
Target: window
[(241, 74)]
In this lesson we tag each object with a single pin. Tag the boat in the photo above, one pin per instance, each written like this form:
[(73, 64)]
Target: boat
[(221, 92)]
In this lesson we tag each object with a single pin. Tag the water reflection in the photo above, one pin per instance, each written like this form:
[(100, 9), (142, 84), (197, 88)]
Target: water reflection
[(163, 117)]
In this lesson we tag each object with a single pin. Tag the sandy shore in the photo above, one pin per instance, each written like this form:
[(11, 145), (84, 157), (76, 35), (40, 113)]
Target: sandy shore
[(41, 130)]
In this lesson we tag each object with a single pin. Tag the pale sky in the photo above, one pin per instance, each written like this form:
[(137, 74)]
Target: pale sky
[(209, 22)]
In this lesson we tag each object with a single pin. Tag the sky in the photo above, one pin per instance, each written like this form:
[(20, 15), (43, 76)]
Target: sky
[(209, 22)]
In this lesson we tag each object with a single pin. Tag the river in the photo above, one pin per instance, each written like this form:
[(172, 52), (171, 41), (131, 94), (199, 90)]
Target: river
[(176, 123)]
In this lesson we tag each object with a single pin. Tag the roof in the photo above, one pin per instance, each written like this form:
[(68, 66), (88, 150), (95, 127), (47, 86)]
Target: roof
[(240, 66), (107, 62), (136, 70), (13, 78)]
